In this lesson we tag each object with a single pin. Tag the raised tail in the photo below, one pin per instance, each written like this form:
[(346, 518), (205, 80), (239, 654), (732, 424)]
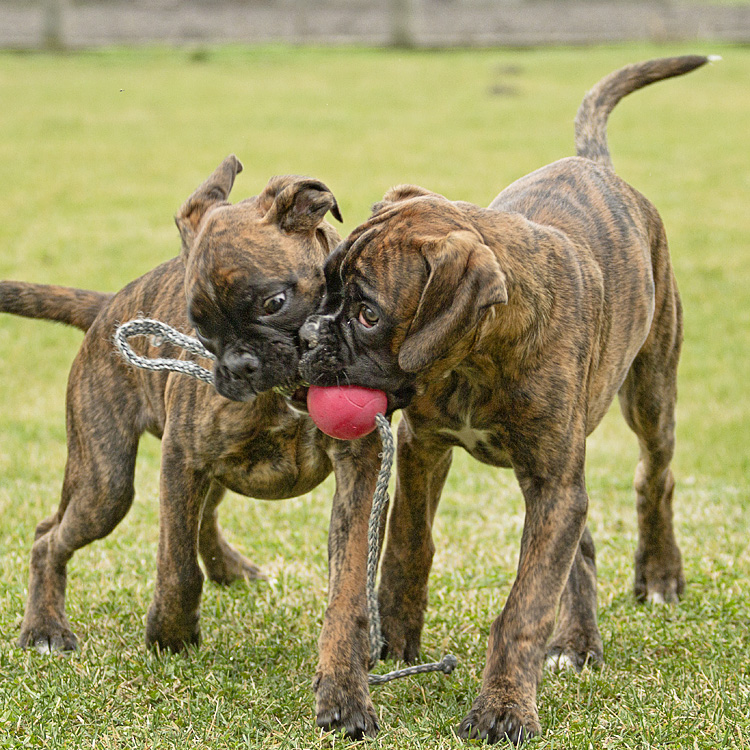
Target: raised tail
[(591, 120), (74, 307)]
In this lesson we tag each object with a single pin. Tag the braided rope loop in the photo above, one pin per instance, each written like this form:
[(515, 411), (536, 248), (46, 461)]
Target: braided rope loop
[(148, 327)]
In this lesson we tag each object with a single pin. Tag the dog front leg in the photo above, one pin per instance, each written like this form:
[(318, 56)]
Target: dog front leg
[(421, 474), (340, 684), (506, 706), (172, 621)]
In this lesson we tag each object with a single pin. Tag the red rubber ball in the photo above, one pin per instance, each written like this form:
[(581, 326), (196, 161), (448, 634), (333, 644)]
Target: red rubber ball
[(345, 412)]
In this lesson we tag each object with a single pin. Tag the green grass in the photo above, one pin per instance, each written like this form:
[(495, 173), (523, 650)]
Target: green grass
[(97, 152)]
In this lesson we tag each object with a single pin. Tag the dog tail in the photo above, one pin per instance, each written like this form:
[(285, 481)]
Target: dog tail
[(591, 120), (74, 307)]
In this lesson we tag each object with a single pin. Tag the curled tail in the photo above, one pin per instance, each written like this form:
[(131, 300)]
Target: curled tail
[(74, 307), (591, 120)]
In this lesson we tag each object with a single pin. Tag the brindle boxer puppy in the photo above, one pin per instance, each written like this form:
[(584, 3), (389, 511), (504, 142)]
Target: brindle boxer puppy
[(508, 331), (252, 273)]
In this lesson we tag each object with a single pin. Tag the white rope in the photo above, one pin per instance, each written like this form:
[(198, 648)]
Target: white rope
[(162, 332)]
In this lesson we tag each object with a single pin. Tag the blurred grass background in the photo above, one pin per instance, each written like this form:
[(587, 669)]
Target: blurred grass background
[(97, 152)]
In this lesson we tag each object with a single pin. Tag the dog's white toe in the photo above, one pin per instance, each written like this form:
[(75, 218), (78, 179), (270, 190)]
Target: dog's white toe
[(559, 663), (656, 597)]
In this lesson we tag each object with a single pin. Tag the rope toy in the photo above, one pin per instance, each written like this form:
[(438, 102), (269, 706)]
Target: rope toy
[(380, 499), (161, 332)]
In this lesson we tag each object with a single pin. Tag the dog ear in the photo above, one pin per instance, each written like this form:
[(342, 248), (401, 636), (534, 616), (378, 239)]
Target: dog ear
[(401, 193), (299, 203), (464, 280), (214, 191)]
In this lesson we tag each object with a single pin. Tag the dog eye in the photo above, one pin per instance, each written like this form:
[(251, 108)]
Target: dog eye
[(274, 304), (367, 317)]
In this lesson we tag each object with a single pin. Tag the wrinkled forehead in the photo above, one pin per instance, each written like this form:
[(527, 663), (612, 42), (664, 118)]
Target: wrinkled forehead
[(237, 251), (399, 230), (354, 260), (236, 239), (230, 223), (396, 232), (374, 262)]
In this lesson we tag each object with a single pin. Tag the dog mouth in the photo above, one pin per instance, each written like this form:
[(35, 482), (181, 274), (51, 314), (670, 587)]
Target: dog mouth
[(295, 392), (322, 367)]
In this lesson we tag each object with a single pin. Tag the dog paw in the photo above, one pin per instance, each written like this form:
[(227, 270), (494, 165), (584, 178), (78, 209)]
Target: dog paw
[(575, 651), (661, 587), (562, 659), (661, 591), (344, 707), (48, 638), (232, 567), (499, 722), (401, 638), (171, 633)]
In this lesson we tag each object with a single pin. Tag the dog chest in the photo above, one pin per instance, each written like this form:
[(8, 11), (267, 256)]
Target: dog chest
[(484, 445), (272, 464)]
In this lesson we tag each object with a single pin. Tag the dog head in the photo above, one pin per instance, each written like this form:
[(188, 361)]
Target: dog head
[(404, 291), (253, 274)]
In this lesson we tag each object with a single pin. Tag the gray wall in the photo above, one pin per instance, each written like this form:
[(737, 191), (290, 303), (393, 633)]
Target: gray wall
[(92, 23)]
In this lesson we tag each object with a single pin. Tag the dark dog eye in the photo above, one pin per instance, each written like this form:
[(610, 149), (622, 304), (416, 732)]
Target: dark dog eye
[(274, 304), (368, 317)]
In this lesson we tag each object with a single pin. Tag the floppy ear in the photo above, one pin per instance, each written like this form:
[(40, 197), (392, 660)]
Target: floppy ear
[(214, 191), (464, 280), (299, 203)]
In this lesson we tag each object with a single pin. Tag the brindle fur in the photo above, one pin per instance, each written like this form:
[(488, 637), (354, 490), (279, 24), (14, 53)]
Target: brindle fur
[(508, 331), (234, 257)]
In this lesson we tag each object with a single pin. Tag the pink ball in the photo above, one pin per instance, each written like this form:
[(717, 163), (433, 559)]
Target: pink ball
[(345, 412)]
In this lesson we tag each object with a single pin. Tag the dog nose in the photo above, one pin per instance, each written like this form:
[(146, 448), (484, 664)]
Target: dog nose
[(242, 364), (310, 331)]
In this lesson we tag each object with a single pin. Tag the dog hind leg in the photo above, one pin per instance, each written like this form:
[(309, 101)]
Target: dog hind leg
[(223, 563), (96, 495), (576, 640), (647, 400), (407, 560)]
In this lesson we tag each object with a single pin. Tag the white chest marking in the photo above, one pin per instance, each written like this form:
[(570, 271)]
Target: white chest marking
[(468, 436)]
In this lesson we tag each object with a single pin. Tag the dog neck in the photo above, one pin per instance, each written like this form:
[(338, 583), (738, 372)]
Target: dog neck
[(516, 331)]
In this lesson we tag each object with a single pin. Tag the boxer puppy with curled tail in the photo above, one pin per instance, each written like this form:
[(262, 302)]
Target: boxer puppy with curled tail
[(508, 331)]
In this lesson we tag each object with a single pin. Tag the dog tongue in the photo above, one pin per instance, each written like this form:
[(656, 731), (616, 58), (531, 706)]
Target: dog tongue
[(345, 412)]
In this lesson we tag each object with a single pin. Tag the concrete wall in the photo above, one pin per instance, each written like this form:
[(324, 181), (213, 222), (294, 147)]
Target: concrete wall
[(93, 23)]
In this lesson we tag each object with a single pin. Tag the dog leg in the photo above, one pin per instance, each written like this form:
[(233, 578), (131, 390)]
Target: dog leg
[(173, 617), (97, 493), (402, 594), (223, 563), (576, 641), (341, 692), (506, 706), (647, 400)]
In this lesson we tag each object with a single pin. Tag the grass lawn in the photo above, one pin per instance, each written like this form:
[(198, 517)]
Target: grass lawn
[(97, 152)]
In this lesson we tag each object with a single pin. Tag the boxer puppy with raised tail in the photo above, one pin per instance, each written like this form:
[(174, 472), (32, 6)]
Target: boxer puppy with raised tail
[(248, 276), (508, 331)]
